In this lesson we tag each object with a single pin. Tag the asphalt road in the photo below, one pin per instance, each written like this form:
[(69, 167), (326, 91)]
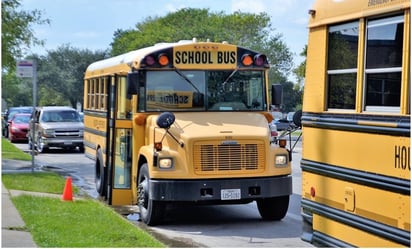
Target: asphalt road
[(197, 226)]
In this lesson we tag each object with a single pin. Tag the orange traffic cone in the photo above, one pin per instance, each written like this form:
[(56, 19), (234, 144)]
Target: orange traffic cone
[(67, 192)]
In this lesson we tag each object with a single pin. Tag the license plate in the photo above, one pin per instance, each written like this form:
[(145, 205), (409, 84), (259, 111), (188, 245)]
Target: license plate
[(230, 194), (67, 142)]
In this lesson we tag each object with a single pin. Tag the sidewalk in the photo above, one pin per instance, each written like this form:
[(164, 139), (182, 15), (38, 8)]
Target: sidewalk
[(13, 230)]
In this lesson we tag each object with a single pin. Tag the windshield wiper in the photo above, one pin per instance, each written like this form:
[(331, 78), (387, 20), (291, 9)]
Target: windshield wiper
[(185, 78), (230, 76)]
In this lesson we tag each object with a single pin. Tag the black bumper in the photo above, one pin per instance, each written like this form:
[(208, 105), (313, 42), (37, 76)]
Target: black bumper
[(209, 190)]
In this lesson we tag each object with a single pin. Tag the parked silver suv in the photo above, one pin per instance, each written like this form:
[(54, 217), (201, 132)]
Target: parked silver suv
[(56, 126)]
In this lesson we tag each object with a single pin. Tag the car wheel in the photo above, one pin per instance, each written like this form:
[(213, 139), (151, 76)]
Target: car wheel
[(40, 146), (274, 208), (151, 212), (81, 149), (30, 144)]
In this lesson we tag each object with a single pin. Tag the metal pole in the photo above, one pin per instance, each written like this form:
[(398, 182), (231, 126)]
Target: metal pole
[(34, 78)]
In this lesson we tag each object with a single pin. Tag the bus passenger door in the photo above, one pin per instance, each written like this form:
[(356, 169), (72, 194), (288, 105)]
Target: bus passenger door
[(120, 176)]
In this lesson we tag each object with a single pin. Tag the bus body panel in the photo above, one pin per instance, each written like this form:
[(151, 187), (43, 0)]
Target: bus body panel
[(356, 154)]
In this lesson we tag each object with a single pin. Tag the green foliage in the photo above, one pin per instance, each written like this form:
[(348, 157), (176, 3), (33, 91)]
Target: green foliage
[(81, 223), (244, 29), (17, 32), (9, 151)]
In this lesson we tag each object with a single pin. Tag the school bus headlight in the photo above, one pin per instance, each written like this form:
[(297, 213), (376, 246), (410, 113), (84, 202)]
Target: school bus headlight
[(166, 163), (281, 160)]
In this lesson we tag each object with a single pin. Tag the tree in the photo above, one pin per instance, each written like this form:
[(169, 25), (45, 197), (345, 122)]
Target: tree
[(244, 29), (62, 71), (16, 31)]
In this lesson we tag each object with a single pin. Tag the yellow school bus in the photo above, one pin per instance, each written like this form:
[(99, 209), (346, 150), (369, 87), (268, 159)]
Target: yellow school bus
[(185, 122), (356, 124)]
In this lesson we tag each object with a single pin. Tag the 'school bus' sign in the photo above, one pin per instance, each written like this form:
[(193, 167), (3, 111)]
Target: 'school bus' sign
[(216, 56)]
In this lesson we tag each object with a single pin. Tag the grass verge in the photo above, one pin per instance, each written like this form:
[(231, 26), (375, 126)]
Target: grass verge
[(9, 151), (44, 182), (82, 223)]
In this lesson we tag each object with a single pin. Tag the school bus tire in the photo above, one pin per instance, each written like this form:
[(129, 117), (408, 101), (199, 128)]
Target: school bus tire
[(274, 208), (100, 174), (151, 211)]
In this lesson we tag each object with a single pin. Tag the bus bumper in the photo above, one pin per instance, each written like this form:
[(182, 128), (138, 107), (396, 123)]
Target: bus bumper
[(211, 190)]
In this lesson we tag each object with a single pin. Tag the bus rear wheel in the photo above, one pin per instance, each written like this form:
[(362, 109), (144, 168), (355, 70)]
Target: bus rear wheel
[(151, 211), (100, 174), (274, 208)]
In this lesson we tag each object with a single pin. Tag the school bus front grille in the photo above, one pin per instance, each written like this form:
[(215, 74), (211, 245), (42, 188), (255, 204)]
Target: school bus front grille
[(212, 159)]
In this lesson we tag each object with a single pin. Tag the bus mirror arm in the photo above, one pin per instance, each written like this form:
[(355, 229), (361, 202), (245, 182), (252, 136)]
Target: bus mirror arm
[(174, 138), (165, 120)]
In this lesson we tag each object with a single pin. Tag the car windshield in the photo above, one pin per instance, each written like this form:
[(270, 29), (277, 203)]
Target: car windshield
[(60, 116), (21, 119), (15, 111), (230, 90)]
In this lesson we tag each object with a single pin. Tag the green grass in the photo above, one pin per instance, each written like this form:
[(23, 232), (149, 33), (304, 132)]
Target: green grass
[(45, 182), (81, 223), (9, 151)]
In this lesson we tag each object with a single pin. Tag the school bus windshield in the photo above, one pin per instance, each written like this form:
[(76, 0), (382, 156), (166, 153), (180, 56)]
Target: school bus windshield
[(231, 90)]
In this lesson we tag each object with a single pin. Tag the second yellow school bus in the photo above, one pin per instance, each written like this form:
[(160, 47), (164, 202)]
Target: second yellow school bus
[(356, 124), (185, 122)]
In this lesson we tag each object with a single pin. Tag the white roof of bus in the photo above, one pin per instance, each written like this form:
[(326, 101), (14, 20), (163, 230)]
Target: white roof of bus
[(129, 57)]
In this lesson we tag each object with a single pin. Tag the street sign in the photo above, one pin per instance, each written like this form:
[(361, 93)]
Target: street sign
[(25, 69)]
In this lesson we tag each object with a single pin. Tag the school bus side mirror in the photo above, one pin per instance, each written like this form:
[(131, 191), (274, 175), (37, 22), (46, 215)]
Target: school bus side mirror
[(132, 84), (277, 94), (165, 120)]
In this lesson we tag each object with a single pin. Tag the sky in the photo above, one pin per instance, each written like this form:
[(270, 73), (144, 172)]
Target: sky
[(90, 24)]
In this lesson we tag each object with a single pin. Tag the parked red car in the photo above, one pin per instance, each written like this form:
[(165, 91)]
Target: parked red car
[(19, 126)]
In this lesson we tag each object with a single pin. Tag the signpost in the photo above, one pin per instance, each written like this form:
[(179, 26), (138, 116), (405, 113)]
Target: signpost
[(28, 69)]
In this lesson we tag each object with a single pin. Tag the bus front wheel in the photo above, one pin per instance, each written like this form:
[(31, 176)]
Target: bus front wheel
[(151, 212), (274, 208)]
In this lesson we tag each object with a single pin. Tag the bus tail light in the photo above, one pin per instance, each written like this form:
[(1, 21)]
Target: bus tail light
[(312, 192), (247, 60)]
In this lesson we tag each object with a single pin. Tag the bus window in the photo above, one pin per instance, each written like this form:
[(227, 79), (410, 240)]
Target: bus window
[(123, 103), (175, 90), (384, 64), (241, 90), (342, 63)]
